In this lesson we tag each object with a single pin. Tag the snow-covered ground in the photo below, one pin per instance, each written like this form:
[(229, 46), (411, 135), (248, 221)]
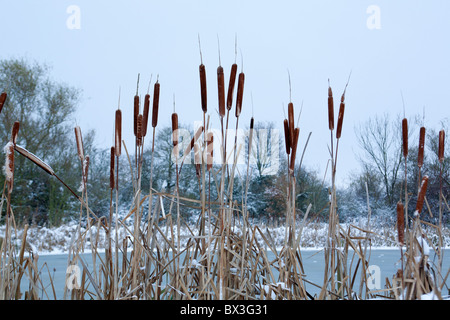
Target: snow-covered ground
[(43, 240)]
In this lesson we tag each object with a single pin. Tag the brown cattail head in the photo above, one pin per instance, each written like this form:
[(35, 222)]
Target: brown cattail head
[(197, 159), (294, 150), (240, 94), (32, 157), (340, 117), (155, 104), (85, 169), (203, 87), (405, 136), (175, 128), (15, 132), (231, 85), (79, 140), (136, 114), (111, 169), (401, 223), (209, 150), (221, 90), (421, 196), (139, 130), (441, 145), (287, 138), (9, 165), (145, 114), (291, 122), (330, 109), (3, 96), (421, 147), (250, 136), (118, 133)]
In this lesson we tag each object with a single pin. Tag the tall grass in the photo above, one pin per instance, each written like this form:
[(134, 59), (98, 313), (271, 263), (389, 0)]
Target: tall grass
[(224, 256)]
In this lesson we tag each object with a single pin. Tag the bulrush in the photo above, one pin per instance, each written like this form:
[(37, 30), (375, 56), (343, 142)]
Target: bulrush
[(421, 197), (155, 104), (221, 90), (36, 160), (111, 169), (441, 145), (330, 108), (145, 114), (340, 116), (405, 136), (400, 223), (231, 85), (175, 129), (421, 147), (136, 114), (79, 140), (291, 123), (287, 138), (139, 130), (203, 87), (240, 94), (118, 133), (294, 150), (3, 96)]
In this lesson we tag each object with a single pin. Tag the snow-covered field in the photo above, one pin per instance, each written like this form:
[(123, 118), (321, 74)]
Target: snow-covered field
[(43, 240)]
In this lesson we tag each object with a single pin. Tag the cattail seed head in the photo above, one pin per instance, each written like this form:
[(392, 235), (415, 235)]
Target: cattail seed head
[(118, 133), (221, 90), (155, 104), (111, 169), (9, 164), (139, 130), (136, 114), (240, 94), (145, 114), (32, 157), (15, 132), (401, 223), (79, 140), (175, 128), (405, 137), (421, 147), (203, 87), (3, 96), (85, 169), (291, 122), (421, 196), (340, 118), (294, 150), (441, 145), (231, 85), (287, 138), (330, 109)]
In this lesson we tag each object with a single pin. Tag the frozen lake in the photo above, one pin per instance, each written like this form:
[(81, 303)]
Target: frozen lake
[(387, 260)]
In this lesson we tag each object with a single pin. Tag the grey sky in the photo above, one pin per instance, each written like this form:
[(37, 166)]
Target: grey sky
[(314, 40)]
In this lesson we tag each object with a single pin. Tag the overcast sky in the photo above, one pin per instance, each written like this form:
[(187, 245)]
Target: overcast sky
[(97, 46)]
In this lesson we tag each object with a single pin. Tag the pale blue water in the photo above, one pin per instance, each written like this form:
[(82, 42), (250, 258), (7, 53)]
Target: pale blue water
[(387, 260)]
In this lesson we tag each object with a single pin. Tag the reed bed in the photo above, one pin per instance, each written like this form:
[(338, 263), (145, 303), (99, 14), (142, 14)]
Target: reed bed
[(225, 256)]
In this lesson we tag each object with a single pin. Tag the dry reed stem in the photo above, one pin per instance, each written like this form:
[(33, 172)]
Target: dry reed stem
[(209, 150), (231, 85), (401, 223)]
